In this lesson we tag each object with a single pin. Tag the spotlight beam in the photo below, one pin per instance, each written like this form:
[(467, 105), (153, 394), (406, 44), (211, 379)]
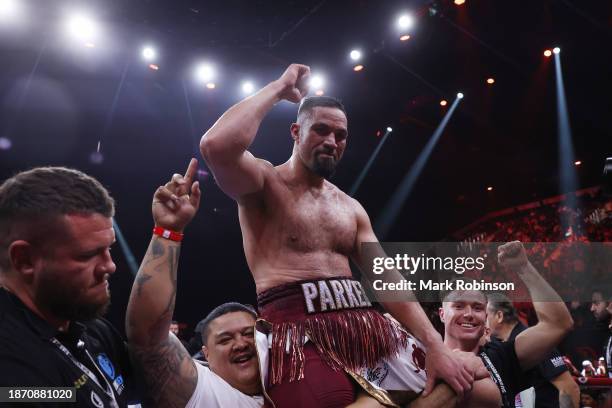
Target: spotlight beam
[(368, 165), (111, 113), (26, 88), (194, 136), (127, 252), (567, 172), (394, 205)]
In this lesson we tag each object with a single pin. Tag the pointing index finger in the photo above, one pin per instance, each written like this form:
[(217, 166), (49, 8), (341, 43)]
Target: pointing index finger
[(191, 172)]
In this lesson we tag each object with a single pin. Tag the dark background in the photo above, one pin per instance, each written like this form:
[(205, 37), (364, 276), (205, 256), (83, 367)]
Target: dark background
[(58, 100)]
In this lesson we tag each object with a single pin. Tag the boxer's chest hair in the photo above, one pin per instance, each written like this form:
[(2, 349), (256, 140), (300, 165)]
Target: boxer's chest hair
[(324, 221)]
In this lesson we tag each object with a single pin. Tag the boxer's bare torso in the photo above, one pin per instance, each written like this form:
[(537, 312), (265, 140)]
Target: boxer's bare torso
[(294, 230), (295, 224)]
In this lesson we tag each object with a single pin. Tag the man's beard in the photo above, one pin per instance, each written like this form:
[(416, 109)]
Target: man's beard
[(67, 304), (324, 167)]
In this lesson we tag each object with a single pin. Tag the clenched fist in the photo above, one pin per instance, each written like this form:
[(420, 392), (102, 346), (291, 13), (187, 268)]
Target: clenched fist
[(294, 83), (512, 255)]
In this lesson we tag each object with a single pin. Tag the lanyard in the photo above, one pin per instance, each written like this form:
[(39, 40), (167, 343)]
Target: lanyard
[(496, 379), (108, 391)]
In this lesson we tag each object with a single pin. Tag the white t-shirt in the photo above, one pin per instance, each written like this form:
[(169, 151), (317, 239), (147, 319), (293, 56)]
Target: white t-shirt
[(213, 391), (403, 372)]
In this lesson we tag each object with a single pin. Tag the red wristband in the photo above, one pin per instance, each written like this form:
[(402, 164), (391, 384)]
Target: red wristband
[(165, 233)]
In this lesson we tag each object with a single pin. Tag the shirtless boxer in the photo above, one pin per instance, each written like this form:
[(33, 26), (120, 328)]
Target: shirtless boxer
[(232, 346), (299, 232), (464, 316)]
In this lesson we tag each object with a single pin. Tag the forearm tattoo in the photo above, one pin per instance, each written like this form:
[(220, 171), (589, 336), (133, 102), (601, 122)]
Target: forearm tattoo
[(168, 372)]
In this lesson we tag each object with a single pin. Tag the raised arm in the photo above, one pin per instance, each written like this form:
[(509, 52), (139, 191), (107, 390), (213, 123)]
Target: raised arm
[(168, 371), (403, 306), (554, 320), (224, 146), (569, 392)]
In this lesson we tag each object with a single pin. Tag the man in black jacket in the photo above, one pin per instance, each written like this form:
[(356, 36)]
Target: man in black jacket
[(554, 385), (56, 232)]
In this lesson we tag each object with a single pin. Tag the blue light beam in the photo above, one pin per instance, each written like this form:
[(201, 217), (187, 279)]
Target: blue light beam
[(366, 169), (127, 252), (396, 202)]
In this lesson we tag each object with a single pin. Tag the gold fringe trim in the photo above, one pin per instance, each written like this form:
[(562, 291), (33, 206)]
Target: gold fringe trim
[(346, 340)]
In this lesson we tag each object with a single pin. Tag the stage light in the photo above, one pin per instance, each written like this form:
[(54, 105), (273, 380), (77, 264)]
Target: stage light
[(405, 22), (319, 92), (83, 28), (211, 85), (355, 55), (205, 72), (547, 53), (443, 102), (358, 68), (556, 50), (389, 129), (8, 9), (490, 81), (317, 81), (154, 67), (490, 188), (148, 53), (459, 2), (248, 87), (404, 37), (394, 206), (460, 95), (89, 45), (5, 143), (577, 163)]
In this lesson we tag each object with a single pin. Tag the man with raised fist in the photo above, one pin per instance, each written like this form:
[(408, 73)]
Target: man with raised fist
[(299, 233)]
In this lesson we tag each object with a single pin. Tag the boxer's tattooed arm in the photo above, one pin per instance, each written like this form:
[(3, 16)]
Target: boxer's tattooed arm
[(168, 373), (154, 292)]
